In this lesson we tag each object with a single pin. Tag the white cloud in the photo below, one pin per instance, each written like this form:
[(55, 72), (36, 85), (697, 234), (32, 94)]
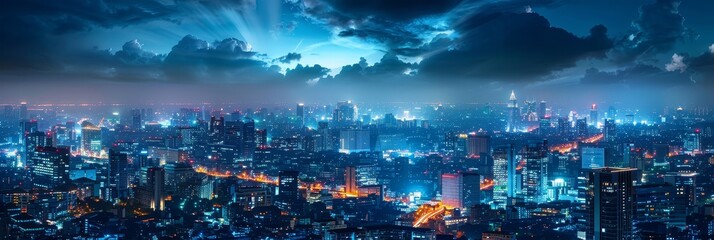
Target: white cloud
[(711, 49), (677, 64)]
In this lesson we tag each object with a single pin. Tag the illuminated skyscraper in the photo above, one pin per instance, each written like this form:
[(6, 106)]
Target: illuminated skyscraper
[(248, 136), (478, 144), (354, 140), (609, 130), (461, 190), (300, 113), (23, 111), (50, 167), (542, 108), (136, 119), (593, 115), (351, 180), (610, 202), (504, 164), (514, 114), (288, 192), (155, 182), (117, 175), (535, 172), (91, 138)]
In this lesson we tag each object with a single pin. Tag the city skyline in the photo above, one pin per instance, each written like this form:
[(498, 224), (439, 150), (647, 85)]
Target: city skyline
[(357, 119)]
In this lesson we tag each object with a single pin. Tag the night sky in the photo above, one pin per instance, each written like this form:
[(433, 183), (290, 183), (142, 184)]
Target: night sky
[(146, 51)]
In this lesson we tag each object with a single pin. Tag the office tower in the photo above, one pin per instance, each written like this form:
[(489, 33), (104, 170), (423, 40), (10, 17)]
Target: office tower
[(351, 180), (262, 138), (591, 156), (514, 114), (288, 193), (609, 130), (91, 138), (503, 175), (478, 144), (593, 115), (23, 112), (50, 167), (610, 202), (217, 129), (685, 184), (155, 183), (542, 110), (248, 135), (389, 120), (345, 113), (563, 126), (300, 113), (531, 114), (693, 142), (581, 127), (32, 141), (117, 175), (136, 119), (26, 127), (354, 140), (535, 172), (460, 190)]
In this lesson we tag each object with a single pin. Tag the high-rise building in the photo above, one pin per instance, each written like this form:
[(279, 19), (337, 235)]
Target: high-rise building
[(478, 144), (345, 113), (91, 138), (300, 113), (355, 140), (542, 108), (461, 190), (535, 172), (581, 127), (288, 192), (32, 141), (609, 130), (610, 202), (23, 111), (351, 180), (592, 156), (593, 115), (155, 183), (262, 138), (248, 135), (514, 114), (136, 119), (503, 175), (50, 167), (117, 175)]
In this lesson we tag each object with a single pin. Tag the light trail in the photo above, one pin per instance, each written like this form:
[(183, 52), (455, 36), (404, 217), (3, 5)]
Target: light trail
[(429, 215)]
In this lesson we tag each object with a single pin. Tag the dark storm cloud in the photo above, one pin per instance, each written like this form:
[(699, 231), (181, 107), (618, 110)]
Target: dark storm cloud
[(227, 60), (396, 10), (637, 75), (514, 47), (32, 30), (390, 67), (702, 66), (393, 24), (306, 73), (658, 28), (290, 57)]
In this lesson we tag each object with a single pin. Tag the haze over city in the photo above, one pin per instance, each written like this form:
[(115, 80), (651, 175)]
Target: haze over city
[(357, 119)]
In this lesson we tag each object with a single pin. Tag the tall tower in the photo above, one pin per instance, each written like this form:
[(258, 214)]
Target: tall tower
[(593, 115), (610, 202), (513, 113)]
